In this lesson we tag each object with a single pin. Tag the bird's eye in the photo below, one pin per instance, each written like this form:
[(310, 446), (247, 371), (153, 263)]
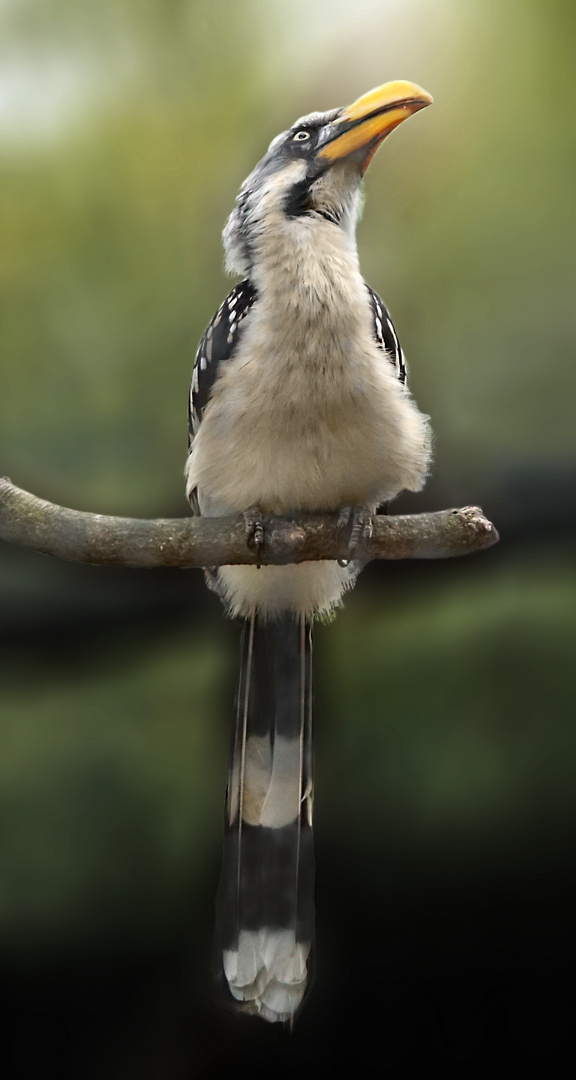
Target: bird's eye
[(301, 136)]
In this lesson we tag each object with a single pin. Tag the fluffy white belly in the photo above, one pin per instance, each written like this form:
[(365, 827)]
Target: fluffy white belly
[(323, 448), (314, 421)]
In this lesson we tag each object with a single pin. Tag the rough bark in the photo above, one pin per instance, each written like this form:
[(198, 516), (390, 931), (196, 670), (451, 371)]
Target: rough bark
[(96, 538)]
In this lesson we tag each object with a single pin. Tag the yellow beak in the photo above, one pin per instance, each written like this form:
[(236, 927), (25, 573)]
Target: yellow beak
[(363, 125)]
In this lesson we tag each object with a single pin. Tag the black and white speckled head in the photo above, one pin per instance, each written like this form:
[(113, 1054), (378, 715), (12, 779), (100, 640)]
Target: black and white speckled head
[(314, 170)]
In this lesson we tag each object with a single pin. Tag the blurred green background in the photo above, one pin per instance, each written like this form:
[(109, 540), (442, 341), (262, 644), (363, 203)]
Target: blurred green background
[(445, 703)]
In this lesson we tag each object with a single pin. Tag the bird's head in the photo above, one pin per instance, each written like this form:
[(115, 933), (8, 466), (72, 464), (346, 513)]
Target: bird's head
[(313, 171)]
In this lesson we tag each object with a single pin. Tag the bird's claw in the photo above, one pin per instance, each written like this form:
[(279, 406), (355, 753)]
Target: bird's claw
[(362, 526), (255, 535)]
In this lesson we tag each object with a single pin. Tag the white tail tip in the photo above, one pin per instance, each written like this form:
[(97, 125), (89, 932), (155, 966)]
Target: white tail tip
[(268, 972)]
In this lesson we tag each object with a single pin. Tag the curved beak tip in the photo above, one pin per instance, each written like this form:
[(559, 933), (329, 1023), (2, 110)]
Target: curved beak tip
[(389, 94), (366, 123)]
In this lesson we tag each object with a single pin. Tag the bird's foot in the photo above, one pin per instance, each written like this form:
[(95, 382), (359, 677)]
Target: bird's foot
[(360, 521), (255, 533)]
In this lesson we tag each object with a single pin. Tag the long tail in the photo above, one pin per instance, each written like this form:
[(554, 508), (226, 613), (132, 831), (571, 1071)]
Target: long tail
[(265, 902)]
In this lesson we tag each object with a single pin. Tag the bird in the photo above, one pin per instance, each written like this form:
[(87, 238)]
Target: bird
[(298, 403)]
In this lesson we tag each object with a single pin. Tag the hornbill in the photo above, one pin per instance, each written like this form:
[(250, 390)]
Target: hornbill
[(298, 403)]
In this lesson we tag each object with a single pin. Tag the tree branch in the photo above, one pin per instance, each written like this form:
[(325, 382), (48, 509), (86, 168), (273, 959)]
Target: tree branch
[(117, 541)]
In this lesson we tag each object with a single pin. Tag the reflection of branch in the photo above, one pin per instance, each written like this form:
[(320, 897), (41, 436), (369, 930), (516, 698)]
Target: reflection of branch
[(94, 538)]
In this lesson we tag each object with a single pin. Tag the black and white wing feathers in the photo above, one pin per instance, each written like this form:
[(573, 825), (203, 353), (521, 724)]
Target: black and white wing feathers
[(216, 346), (387, 341), (385, 334)]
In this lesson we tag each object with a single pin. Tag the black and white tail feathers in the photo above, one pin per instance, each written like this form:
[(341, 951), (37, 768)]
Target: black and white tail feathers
[(265, 901)]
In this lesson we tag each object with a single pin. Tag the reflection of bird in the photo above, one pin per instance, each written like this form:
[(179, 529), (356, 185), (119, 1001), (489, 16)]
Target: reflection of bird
[(297, 403)]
